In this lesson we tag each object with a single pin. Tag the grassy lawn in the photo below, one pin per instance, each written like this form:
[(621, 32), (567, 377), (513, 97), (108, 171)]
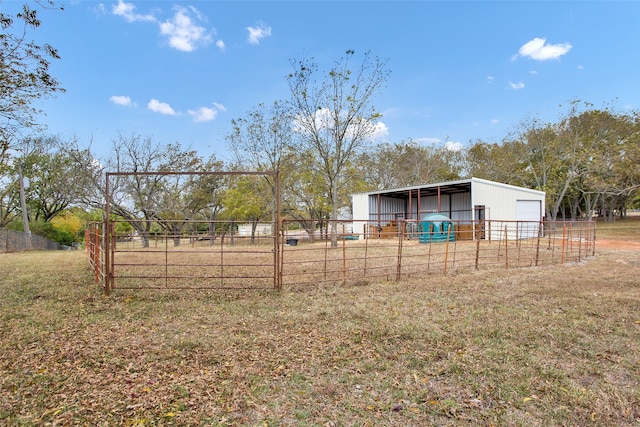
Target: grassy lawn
[(545, 346), (628, 229)]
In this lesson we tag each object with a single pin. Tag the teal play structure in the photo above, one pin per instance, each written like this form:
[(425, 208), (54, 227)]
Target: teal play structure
[(435, 227)]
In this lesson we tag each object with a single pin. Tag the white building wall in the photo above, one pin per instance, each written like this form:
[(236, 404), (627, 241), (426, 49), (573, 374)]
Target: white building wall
[(500, 201), (360, 210)]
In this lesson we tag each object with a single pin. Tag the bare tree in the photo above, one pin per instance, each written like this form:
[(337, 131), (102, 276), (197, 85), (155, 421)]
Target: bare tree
[(334, 114)]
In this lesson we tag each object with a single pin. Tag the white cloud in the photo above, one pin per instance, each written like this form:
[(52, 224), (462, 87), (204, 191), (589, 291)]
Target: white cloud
[(380, 131), (220, 44), (580, 67), (219, 107), (323, 119), (533, 72), (539, 50), (127, 11), (183, 33), (206, 114), (495, 121), (258, 33), (516, 86), (125, 101), (161, 107), (490, 79), (453, 146)]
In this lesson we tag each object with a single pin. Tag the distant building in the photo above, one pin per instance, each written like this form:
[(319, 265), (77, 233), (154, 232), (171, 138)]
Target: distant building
[(262, 229), (467, 202)]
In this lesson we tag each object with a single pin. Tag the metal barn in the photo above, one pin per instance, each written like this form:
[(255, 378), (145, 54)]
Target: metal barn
[(467, 202)]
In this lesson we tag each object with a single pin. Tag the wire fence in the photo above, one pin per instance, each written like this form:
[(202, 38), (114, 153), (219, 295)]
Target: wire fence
[(17, 241), (211, 255), (404, 249)]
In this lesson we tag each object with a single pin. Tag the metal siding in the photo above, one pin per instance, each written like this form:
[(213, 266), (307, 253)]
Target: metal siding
[(429, 204), (500, 200), (389, 207), (461, 207)]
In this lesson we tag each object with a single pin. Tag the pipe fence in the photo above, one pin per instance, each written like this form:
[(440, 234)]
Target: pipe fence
[(213, 255)]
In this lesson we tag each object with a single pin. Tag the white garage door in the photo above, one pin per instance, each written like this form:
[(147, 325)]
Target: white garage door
[(528, 210)]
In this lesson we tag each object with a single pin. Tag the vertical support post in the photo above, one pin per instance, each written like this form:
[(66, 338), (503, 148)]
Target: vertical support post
[(593, 238), (570, 238), (564, 237), (506, 247), (277, 241), (538, 244), (280, 242), (379, 207), (344, 257), (166, 256), (477, 253), (222, 260), (326, 249), (400, 241), (579, 242), (107, 246), (96, 251), (366, 252), (446, 248)]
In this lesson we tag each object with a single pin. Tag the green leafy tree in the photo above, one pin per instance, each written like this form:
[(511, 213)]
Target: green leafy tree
[(612, 156), (408, 163), (248, 199), (263, 141), (51, 174), (24, 74), (136, 197), (305, 195), (186, 197)]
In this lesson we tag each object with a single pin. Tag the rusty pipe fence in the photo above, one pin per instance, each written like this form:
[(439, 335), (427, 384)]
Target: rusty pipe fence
[(358, 253), (215, 255)]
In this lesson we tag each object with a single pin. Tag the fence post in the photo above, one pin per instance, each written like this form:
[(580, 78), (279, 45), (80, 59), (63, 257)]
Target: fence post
[(538, 244), (96, 252), (446, 250), (477, 252), (579, 243), (344, 257), (506, 247), (400, 241), (564, 236)]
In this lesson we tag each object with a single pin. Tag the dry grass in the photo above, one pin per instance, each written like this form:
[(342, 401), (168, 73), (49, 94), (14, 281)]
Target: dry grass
[(557, 345), (627, 229)]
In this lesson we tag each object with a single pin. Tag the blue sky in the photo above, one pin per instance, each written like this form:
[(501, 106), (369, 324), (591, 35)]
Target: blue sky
[(460, 71)]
